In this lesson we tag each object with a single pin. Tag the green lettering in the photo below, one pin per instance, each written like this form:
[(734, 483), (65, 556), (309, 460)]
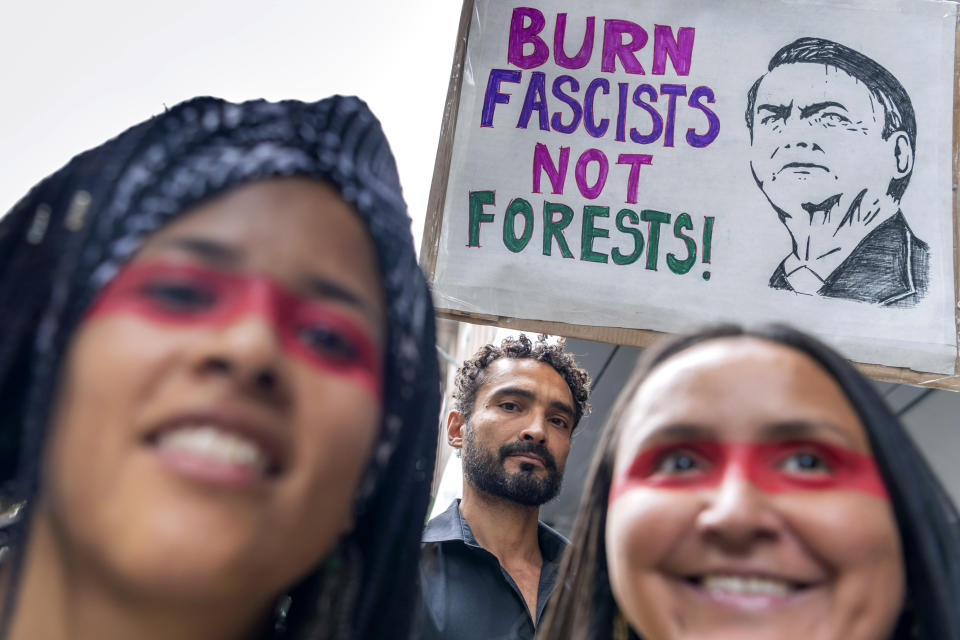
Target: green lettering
[(477, 216), (510, 240), (680, 267), (618, 257), (590, 232), (707, 237), (555, 229), (655, 218)]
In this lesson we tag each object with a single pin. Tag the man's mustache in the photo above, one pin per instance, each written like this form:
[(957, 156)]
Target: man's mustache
[(539, 450)]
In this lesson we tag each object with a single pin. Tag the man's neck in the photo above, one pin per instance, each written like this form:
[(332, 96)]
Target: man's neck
[(506, 529), (824, 237)]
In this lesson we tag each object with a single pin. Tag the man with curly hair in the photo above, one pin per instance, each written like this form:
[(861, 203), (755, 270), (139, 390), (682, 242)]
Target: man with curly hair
[(489, 565)]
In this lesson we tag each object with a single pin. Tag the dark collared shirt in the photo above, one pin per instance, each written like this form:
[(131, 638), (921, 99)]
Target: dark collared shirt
[(466, 594)]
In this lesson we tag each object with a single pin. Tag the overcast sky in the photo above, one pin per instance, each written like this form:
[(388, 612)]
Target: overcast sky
[(76, 73)]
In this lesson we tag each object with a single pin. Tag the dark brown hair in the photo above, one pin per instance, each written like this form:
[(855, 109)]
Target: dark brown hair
[(583, 606), (471, 375)]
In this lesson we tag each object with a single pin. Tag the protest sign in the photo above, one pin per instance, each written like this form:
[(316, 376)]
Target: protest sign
[(617, 170)]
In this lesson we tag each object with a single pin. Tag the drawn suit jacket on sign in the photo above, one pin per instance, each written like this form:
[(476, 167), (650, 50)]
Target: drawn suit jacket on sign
[(889, 267)]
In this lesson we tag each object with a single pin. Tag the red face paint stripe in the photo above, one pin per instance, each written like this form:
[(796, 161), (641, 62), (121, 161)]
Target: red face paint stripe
[(191, 295), (771, 467)]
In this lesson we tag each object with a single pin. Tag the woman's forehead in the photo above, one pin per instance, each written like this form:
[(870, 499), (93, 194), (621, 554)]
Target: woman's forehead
[(739, 388), (297, 231)]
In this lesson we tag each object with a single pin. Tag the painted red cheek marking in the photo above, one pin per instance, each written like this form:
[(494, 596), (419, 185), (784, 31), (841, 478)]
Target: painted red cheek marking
[(761, 464), (193, 296)]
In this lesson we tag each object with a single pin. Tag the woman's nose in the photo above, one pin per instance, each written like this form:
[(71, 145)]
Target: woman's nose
[(737, 515), (248, 351)]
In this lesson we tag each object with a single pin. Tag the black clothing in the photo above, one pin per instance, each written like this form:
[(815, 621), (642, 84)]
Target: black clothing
[(889, 267), (466, 594)]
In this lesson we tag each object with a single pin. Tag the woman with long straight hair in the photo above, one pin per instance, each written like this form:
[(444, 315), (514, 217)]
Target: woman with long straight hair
[(752, 484), (217, 383)]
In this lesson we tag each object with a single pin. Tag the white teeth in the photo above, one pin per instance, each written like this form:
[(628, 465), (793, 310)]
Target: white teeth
[(216, 444), (751, 586)]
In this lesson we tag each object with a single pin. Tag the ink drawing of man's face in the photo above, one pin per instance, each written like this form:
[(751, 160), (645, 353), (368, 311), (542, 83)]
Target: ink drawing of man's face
[(817, 135)]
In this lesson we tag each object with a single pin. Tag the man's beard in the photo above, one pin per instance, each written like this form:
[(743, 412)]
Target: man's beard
[(485, 470)]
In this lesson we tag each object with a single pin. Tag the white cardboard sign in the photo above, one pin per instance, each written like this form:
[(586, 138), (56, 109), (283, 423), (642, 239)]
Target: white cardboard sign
[(663, 164)]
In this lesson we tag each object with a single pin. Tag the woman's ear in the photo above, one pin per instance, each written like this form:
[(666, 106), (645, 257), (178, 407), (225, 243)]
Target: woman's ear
[(455, 425)]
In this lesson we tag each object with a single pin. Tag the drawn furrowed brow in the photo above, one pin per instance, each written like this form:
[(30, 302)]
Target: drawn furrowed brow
[(806, 112), (781, 111)]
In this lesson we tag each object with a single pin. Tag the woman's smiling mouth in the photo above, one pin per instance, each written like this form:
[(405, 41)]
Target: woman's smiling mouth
[(745, 591), (217, 449)]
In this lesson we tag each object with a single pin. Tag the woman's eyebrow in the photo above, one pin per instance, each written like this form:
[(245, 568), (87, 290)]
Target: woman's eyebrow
[(790, 429), (209, 251), (678, 432), (317, 286)]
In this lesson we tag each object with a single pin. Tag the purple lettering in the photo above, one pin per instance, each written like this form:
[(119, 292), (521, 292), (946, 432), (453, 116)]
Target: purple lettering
[(580, 60), (493, 96), (614, 47), (521, 35), (672, 90), (622, 112), (536, 100), (555, 121), (654, 115), (635, 160), (542, 161), (679, 49), (589, 123), (694, 139), (588, 156)]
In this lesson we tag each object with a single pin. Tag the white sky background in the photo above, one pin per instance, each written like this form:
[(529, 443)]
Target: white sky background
[(74, 74)]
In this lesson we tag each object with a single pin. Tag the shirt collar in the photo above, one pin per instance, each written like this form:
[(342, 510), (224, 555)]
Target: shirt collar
[(451, 525)]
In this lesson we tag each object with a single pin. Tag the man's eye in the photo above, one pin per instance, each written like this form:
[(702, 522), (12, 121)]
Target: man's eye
[(179, 297), (329, 344), (679, 462), (560, 422), (509, 406), (832, 117), (805, 462)]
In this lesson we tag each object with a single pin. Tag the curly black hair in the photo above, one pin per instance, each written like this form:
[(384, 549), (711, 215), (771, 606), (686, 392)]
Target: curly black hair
[(470, 376)]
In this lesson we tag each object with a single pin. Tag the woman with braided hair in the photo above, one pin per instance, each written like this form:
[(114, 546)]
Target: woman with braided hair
[(751, 484), (217, 383)]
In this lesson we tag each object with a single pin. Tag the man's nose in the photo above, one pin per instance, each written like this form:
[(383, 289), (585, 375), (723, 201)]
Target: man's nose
[(535, 430), (803, 144), (799, 134)]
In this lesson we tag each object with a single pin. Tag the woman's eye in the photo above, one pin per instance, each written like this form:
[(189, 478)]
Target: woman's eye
[(679, 463), (328, 343), (179, 297), (805, 462)]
